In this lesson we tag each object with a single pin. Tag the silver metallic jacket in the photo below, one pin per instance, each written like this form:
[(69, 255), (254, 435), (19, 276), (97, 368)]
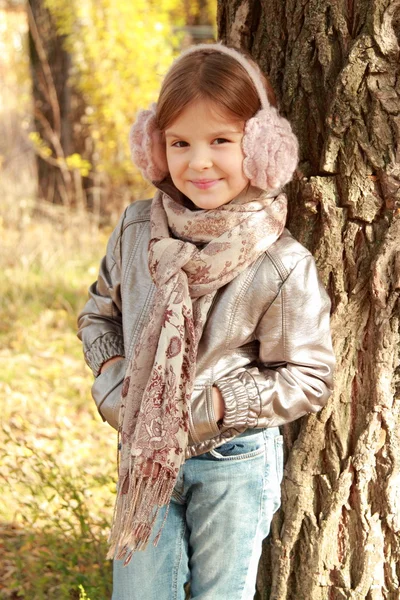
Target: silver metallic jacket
[(266, 344)]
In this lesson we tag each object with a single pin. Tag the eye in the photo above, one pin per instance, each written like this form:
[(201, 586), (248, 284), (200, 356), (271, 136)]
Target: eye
[(179, 144), (219, 141)]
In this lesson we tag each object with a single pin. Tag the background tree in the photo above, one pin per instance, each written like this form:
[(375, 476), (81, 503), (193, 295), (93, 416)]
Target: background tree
[(336, 70), (90, 75), (50, 66), (95, 65)]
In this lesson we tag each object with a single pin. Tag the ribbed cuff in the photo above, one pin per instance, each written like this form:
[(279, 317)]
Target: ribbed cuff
[(242, 401), (103, 348)]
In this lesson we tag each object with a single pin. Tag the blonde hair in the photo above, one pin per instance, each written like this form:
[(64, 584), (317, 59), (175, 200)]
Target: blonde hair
[(213, 76)]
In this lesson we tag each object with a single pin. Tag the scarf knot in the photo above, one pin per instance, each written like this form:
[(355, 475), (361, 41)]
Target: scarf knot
[(167, 256)]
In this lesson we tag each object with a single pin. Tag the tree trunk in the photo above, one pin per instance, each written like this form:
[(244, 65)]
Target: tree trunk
[(58, 109), (51, 99), (336, 71)]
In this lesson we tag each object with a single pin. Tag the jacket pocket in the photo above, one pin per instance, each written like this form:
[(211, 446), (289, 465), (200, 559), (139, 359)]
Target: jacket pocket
[(106, 392)]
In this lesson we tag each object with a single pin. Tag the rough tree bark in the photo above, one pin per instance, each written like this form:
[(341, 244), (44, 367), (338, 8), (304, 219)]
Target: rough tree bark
[(336, 70)]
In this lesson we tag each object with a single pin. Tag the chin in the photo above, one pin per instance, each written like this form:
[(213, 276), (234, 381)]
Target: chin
[(209, 204)]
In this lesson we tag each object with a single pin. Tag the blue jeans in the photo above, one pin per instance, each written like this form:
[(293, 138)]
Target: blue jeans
[(220, 512)]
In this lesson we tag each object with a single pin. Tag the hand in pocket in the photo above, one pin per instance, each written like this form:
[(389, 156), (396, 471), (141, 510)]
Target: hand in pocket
[(218, 402)]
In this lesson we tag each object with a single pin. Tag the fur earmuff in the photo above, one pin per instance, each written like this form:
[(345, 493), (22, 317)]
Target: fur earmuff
[(147, 146), (271, 150)]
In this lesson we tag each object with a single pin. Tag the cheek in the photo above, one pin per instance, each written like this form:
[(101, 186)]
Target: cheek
[(236, 164), (169, 159), (176, 171), (240, 169), (174, 164)]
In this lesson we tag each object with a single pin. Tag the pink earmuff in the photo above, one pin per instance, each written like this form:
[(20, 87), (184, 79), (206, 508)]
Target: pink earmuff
[(269, 144), (147, 146), (271, 150)]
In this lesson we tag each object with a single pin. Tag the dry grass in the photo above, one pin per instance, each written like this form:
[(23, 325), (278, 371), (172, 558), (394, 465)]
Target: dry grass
[(57, 457)]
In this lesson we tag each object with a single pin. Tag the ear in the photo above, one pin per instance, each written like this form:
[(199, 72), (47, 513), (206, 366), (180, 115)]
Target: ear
[(147, 146), (271, 150)]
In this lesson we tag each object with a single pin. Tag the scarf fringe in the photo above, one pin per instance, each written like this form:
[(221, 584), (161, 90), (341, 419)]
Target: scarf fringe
[(136, 511)]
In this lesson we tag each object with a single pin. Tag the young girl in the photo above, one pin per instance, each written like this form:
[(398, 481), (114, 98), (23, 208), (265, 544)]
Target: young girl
[(206, 329)]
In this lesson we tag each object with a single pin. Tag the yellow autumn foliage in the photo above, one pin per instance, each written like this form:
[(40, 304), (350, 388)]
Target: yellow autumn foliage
[(120, 51)]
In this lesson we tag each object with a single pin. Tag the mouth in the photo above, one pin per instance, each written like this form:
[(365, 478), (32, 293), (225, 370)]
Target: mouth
[(203, 184)]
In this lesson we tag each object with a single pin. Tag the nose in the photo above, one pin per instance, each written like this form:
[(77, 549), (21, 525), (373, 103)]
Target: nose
[(200, 159)]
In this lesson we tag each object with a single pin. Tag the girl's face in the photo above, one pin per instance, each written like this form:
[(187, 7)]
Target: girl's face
[(204, 155)]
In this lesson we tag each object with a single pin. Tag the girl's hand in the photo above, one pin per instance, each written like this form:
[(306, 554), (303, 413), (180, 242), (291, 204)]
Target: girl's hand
[(109, 362), (219, 405)]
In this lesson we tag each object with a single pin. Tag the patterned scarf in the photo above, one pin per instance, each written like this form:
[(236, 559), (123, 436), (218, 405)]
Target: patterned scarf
[(159, 380)]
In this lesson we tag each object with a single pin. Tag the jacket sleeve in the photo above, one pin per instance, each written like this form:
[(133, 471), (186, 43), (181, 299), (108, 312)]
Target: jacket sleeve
[(100, 322), (294, 375)]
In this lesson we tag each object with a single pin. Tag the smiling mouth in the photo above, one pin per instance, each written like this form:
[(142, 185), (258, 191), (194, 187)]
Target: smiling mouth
[(203, 184)]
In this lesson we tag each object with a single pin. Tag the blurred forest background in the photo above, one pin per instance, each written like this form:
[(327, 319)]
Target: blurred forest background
[(65, 176)]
